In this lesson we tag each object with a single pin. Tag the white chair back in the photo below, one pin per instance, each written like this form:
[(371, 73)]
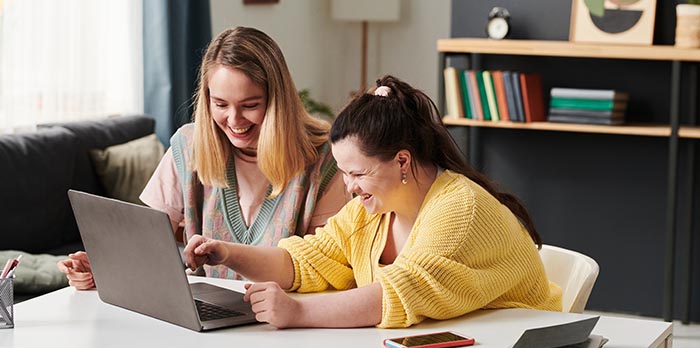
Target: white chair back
[(574, 272)]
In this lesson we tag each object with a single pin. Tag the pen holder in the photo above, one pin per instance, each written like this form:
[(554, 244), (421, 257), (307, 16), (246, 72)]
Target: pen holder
[(7, 317)]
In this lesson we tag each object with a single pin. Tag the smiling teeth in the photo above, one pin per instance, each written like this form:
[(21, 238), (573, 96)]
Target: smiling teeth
[(240, 130)]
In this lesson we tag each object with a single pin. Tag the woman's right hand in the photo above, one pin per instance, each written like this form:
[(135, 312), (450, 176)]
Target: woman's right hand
[(77, 270), (201, 250)]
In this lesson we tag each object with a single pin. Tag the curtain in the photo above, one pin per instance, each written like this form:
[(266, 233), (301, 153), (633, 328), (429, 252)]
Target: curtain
[(69, 60), (175, 35)]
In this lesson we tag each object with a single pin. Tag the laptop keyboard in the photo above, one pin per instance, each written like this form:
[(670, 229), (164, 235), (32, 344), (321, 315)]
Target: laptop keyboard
[(208, 311)]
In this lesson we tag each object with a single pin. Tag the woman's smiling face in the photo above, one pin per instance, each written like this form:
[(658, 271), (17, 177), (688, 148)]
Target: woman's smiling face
[(238, 106), (375, 181)]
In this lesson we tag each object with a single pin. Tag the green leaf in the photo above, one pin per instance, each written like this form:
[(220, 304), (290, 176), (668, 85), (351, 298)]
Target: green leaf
[(314, 107), (595, 7)]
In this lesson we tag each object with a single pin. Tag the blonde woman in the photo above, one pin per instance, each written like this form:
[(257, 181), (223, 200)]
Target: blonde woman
[(253, 168)]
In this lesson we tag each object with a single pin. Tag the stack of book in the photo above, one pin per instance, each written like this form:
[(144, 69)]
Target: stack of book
[(589, 106), (494, 95)]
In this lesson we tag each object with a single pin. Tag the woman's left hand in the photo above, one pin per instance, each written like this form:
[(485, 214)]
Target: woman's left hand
[(271, 304)]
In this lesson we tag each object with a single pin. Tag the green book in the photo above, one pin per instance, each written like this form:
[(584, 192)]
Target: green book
[(587, 104), (491, 96), (482, 94), (465, 95)]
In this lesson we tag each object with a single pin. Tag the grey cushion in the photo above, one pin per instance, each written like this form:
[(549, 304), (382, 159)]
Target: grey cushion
[(36, 274)]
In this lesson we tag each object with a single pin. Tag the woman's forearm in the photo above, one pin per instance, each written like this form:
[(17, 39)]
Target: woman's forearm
[(352, 308), (260, 264)]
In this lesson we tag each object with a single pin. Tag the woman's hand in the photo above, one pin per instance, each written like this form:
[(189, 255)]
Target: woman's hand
[(77, 270), (201, 250), (272, 305)]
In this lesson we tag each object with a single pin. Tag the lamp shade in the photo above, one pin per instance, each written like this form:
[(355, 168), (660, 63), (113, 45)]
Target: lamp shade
[(365, 10)]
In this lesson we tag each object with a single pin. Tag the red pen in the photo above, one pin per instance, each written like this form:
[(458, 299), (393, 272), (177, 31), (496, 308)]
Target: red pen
[(10, 265)]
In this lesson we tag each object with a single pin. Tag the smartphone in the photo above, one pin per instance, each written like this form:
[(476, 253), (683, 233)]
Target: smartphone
[(431, 340)]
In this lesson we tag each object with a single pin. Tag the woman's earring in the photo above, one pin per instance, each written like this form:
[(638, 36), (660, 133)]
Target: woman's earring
[(403, 178)]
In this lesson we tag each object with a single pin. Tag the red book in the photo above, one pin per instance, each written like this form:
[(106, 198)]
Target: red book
[(500, 95), (533, 100)]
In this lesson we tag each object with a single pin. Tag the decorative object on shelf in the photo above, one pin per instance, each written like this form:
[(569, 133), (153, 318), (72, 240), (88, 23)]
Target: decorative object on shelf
[(498, 25), (365, 11), (613, 21), (688, 24)]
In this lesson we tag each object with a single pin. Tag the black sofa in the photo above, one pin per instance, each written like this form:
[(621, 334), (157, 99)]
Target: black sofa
[(37, 169)]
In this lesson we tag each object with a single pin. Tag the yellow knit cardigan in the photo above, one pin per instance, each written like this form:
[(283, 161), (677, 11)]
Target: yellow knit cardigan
[(466, 251)]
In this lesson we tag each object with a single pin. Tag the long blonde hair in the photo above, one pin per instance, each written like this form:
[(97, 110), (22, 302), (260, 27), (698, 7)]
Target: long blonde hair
[(289, 136)]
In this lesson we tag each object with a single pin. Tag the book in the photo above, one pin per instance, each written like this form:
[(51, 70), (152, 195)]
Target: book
[(501, 101), (453, 97), (465, 94), (588, 113), (579, 93), (491, 95), (517, 93), (474, 96), (584, 120), (533, 101), (510, 97), (482, 94), (587, 104)]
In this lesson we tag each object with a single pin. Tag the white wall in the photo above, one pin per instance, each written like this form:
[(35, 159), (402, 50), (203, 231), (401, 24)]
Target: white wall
[(324, 55)]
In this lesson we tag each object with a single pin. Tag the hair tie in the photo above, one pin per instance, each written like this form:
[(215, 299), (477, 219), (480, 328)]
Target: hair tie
[(382, 91)]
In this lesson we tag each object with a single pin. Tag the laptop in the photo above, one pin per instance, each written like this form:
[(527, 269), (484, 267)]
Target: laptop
[(137, 266)]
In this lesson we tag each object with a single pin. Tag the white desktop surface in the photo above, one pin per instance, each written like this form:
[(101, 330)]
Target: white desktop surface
[(70, 318)]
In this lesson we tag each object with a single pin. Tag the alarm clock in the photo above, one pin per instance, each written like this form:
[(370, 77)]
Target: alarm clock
[(498, 24)]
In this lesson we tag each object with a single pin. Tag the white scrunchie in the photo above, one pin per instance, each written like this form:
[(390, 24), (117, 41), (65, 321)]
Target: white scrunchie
[(382, 91)]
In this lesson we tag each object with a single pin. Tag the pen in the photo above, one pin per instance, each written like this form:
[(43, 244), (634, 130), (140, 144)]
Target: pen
[(6, 268), (10, 266), (10, 274)]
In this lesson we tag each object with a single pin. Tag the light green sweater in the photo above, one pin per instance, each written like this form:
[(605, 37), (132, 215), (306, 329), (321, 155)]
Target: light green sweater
[(466, 251)]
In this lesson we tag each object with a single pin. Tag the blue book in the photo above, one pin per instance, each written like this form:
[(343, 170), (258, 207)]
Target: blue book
[(510, 96), (518, 96)]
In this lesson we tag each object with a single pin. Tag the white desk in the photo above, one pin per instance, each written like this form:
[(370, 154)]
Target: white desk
[(70, 318)]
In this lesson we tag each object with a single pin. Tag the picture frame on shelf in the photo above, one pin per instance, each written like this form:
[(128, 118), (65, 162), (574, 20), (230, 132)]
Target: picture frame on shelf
[(613, 21)]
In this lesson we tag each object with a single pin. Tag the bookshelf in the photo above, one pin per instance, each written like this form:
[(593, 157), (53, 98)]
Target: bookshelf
[(673, 130)]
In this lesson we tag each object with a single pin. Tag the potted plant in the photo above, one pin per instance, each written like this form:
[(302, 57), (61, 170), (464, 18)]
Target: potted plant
[(314, 107), (688, 24)]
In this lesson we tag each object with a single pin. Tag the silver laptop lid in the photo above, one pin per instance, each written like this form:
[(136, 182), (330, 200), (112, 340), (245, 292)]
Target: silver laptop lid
[(134, 258)]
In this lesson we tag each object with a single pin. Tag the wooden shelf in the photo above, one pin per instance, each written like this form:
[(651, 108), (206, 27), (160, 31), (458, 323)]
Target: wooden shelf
[(689, 132), (641, 130), (567, 49)]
